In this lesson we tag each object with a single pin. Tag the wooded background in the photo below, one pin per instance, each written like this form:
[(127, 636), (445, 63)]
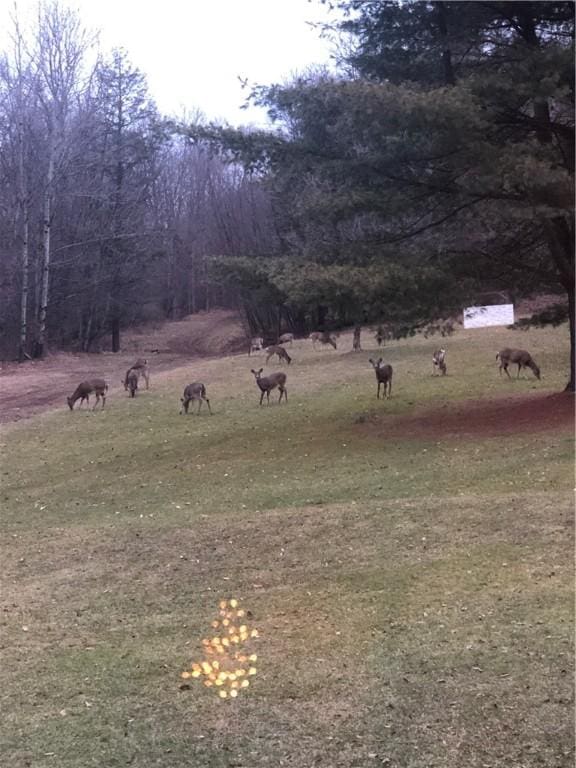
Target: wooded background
[(434, 163)]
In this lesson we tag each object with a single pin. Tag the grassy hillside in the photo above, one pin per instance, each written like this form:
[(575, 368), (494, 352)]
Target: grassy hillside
[(412, 586)]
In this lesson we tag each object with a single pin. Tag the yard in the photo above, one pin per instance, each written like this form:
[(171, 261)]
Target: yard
[(408, 564)]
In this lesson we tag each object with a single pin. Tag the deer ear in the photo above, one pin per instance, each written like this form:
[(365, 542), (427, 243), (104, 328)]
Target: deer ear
[(379, 360), (261, 369)]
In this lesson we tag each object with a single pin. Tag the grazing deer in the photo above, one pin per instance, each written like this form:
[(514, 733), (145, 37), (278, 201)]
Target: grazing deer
[(268, 383), (85, 389), (383, 376), (439, 361), (286, 338), (380, 336), (520, 357), (256, 345), (131, 382), (195, 391), (141, 366), (280, 351), (323, 338)]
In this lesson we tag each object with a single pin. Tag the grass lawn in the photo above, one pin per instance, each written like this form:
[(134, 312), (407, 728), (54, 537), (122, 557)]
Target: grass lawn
[(413, 593)]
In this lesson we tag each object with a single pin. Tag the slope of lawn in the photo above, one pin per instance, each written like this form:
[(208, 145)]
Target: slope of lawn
[(413, 592)]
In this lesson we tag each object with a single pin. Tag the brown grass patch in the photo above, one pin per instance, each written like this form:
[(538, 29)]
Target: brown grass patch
[(472, 419)]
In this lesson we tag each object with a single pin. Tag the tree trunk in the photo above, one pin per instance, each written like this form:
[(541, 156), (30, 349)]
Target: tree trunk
[(356, 341), (449, 77), (24, 291), (571, 386), (115, 332), (25, 214), (46, 231)]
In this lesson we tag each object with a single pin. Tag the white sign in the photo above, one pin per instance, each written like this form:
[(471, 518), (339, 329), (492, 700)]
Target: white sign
[(494, 314)]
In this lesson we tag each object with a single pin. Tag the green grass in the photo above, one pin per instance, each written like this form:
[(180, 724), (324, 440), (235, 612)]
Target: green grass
[(414, 596)]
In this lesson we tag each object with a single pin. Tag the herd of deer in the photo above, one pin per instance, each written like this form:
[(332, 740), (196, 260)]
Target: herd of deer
[(266, 384)]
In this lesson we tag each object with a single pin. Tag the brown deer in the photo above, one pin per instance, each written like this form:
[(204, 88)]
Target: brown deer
[(195, 391), (255, 345), (141, 366), (286, 338), (519, 357), (131, 382), (324, 338), (267, 383), (439, 361), (280, 351), (383, 376), (85, 389)]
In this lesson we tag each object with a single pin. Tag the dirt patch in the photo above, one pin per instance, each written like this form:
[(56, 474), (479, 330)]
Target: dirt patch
[(482, 418), (31, 387)]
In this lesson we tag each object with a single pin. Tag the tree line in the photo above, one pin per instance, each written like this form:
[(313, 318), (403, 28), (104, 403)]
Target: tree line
[(108, 214), (434, 165)]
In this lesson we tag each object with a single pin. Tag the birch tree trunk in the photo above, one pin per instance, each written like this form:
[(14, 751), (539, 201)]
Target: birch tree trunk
[(24, 206), (46, 231)]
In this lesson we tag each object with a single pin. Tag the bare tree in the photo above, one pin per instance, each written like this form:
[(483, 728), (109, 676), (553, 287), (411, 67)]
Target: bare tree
[(61, 45)]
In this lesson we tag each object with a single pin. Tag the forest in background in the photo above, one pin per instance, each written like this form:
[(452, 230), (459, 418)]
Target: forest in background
[(434, 164)]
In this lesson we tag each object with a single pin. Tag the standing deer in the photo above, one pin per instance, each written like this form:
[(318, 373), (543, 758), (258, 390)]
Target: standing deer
[(280, 351), (256, 345), (131, 382), (383, 376), (141, 366), (286, 338), (85, 389), (195, 391), (520, 357), (267, 383), (439, 361)]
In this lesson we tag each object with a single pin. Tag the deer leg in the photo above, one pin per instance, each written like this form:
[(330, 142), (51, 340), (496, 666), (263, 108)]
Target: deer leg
[(96, 403), (519, 368), (378, 394), (506, 371), (262, 397), (208, 404), (389, 389)]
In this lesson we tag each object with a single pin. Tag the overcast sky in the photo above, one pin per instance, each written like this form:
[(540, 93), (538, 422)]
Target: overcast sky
[(193, 51)]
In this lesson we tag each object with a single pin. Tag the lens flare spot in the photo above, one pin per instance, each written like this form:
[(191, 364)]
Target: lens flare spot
[(228, 674)]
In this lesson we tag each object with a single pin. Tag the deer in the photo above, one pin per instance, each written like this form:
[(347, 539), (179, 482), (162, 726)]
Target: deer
[(286, 338), (267, 383), (323, 338), (383, 376), (520, 357), (439, 361), (131, 382), (85, 389), (256, 345), (195, 391), (141, 366), (280, 351)]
